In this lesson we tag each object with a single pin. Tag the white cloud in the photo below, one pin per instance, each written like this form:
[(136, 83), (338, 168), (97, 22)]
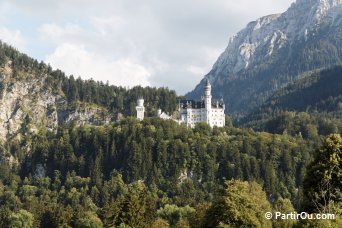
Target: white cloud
[(13, 37), (166, 43), (90, 55), (196, 70), (53, 32), (257, 7), (106, 25), (203, 61), (76, 60)]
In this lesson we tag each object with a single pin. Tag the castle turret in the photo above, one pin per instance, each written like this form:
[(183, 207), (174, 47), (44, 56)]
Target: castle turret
[(140, 109), (207, 100)]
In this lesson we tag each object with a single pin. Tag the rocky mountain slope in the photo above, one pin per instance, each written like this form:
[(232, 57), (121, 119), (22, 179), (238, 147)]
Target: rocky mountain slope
[(274, 50), (28, 102)]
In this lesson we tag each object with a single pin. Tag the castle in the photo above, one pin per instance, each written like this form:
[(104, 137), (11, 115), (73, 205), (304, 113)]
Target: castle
[(206, 110), (192, 112)]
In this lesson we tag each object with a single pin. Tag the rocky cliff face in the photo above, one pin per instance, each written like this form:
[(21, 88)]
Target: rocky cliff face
[(24, 101), (273, 50), (27, 104)]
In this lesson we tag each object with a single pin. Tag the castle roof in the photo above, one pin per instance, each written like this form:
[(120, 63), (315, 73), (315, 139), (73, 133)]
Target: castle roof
[(191, 104), (200, 104)]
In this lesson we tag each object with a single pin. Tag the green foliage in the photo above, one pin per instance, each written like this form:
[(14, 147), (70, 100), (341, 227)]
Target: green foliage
[(167, 163), (115, 99), (160, 223), (21, 219), (240, 204), (198, 218), (134, 208), (5, 213), (318, 91), (137, 208), (173, 214), (322, 184), (283, 206), (89, 220), (86, 170), (322, 223)]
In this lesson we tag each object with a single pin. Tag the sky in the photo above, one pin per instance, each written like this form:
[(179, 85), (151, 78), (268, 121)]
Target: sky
[(130, 42)]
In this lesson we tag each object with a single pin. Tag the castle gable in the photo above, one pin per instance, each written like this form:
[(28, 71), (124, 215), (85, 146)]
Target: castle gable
[(191, 104)]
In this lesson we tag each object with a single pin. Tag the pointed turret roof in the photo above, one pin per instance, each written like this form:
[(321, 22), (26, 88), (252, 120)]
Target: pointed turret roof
[(207, 83)]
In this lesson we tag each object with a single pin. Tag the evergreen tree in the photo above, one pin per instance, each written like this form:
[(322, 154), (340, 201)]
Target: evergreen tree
[(240, 204), (323, 180)]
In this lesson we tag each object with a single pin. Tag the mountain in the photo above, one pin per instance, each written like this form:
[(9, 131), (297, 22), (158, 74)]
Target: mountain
[(275, 50), (34, 97)]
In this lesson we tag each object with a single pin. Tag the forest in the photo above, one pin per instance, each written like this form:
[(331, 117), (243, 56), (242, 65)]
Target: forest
[(156, 173)]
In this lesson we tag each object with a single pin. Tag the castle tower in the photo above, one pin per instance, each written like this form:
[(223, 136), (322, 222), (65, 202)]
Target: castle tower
[(207, 101), (140, 109), (159, 112), (223, 115)]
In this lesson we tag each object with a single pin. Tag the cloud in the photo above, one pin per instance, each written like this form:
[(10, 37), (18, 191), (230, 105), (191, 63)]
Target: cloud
[(106, 25), (12, 37), (55, 33), (85, 53), (196, 70), (76, 60), (162, 43)]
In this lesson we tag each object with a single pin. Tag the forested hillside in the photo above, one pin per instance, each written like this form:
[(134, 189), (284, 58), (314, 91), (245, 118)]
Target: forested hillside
[(34, 97), (90, 171), (310, 106), (152, 173), (315, 92)]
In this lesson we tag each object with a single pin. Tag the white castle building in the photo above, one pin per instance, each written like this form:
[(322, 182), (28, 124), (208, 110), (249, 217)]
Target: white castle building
[(192, 112), (206, 110)]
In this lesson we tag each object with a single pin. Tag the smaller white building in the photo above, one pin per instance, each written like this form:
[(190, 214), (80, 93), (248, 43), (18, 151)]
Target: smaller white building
[(140, 109), (163, 115)]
